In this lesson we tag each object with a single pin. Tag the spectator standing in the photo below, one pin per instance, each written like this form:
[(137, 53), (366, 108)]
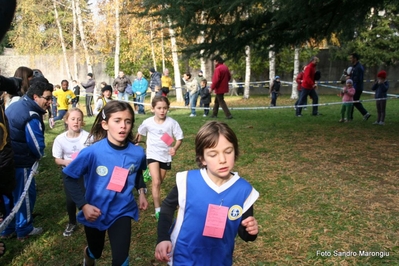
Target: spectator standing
[(205, 97), (106, 96), (220, 84), (139, 87), (155, 83), (120, 84), (64, 98), (89, 86), (25, 74), (192, 88), (76, 91), (166, 83), (309, 88), (356, 74), (298, 80), (27, 139), (347, 101), (381, 87), (275, 90)]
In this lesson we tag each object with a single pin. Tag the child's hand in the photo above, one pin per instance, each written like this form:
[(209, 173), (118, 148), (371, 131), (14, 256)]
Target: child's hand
[(163, 250), (172, 151), (91, 212), (143, 203), (251, 225)]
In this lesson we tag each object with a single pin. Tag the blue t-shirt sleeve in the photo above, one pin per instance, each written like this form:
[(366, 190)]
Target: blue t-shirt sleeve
[(35, 138)]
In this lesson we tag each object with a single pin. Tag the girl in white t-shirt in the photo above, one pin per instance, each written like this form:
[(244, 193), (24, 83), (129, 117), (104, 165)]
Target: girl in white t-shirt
[(66, 147), (161, 132)]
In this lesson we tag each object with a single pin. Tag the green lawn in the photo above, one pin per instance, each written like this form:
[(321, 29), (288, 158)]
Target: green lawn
[(325, 188)]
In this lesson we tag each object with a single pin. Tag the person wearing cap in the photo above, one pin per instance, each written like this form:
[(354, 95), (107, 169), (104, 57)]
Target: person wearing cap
[(166, 82), (220, 85), (309, 88), (356, 74), (275, 90), (347, 101), (106, 96), (89, 86), (155, 83), (381, 87)]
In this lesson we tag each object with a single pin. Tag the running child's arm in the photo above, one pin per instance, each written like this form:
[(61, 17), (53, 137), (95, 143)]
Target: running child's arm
[(248, 229), (141, 190), (168, 208), (173, 150)]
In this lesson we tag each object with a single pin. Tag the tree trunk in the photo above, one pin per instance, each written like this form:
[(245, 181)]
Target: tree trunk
[(117, 39), (201, 40), (163, 50), (179, 94), (83, 37), (272, 67), (152, 47), (64, 52), (294, 93), (74, 45), (247, 71)]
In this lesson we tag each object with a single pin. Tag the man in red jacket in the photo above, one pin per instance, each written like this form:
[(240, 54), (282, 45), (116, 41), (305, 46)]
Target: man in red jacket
[(220, 84), (309, 87)]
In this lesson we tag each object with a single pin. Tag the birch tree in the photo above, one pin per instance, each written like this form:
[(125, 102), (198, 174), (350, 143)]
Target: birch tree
[(247, 71), (83, 37), (117, 39), (294, 92), (74, 40), (62, 41)]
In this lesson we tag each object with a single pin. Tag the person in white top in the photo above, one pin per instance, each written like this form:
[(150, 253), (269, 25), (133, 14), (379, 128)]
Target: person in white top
[(106, 96), (66, 147), (161, 132)]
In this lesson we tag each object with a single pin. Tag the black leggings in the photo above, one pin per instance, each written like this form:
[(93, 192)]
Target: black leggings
[(70, 204), (119, 237)]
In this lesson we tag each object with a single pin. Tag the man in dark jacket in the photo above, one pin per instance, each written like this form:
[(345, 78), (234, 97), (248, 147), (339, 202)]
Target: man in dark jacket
[(89, 86), (220, 84), (155, 83), (25, 119), (120, 84), (356, 75)]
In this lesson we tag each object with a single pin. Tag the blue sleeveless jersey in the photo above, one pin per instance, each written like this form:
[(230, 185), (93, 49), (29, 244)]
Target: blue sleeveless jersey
[(196, 192)]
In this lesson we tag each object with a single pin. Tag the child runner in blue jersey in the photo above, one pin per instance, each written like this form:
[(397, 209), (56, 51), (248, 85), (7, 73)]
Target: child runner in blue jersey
[(66, 146), (214, 204), (161, 132), (112, 166)]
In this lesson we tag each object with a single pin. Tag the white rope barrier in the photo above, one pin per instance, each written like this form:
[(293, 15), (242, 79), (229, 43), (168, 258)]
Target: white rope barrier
[(10, 217)]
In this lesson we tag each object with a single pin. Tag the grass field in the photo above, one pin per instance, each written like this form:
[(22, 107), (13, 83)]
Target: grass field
[(328, 190)]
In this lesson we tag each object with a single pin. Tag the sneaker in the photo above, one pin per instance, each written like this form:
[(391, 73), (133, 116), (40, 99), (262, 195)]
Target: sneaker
[(157, 216), (382, 123), (298, 115), (87, 261), (366, 117), (204, 115), (69, 230), (317, 114), (229, 117), (35, 231), (341, 120), (51, 122), (376, 123), (147, 175), (192, 115)]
